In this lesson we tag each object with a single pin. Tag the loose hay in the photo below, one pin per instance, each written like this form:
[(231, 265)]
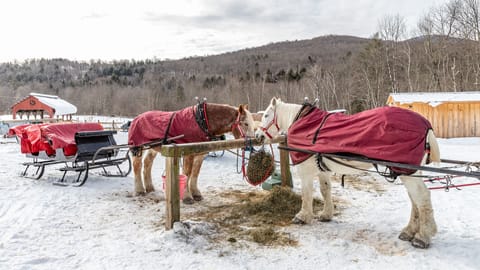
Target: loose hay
[(254, 216)]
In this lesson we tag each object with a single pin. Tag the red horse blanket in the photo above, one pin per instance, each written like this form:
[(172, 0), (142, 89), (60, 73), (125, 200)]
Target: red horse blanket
[(157, 125), (48, 137), (386, 133)]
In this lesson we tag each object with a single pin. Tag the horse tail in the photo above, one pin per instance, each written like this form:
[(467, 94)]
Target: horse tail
[(434, 149)]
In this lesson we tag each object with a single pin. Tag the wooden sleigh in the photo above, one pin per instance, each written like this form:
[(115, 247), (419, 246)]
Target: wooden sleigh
[(81, 148)]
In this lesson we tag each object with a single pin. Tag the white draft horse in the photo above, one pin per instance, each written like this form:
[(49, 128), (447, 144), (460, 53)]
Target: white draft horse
[(213, 121), (279, 116)]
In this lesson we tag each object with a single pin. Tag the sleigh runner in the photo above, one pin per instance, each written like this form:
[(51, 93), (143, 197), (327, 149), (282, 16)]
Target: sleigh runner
[(81, 147)]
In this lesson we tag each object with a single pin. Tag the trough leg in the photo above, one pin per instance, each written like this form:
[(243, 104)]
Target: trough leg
[(172, 213)]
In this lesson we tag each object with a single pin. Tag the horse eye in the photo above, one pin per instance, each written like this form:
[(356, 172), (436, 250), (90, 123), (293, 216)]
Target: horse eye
[(246, 124)]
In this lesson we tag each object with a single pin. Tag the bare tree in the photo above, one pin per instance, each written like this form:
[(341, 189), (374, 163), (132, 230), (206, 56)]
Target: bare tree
[(392, 29)]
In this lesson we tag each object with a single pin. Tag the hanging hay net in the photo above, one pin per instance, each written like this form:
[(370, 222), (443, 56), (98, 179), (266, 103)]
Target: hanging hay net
[(260, 166)]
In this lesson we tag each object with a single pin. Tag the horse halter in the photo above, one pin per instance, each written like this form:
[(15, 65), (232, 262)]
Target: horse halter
[(271, 123)]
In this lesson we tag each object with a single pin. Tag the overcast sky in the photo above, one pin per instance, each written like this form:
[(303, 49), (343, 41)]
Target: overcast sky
[(143, 29)]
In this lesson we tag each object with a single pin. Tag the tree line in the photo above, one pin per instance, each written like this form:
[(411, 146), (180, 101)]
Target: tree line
[(342, 71)]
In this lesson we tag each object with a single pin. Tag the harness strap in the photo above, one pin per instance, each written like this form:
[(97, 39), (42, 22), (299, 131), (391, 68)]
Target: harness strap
[(388, 174), (320, 127), (167, 130)]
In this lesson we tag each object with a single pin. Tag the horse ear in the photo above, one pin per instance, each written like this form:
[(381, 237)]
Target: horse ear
[(273, 101), (242, 108)]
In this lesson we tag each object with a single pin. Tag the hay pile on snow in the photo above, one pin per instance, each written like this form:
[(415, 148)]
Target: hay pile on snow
[(255, 216)]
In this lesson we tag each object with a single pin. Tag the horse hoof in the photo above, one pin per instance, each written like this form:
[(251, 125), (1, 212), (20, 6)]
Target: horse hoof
[(324, 219), (140, 193), (405, 237), (198, 198), (418, 243), (298, 221), (188, 200), (148, 190)]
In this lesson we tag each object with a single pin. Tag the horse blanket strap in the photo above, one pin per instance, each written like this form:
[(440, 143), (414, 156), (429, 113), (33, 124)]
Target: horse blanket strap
[(165, 136), (387, 133), (153, 126)]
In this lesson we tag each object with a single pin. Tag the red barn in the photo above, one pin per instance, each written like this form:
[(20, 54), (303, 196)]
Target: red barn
[(39, 105)]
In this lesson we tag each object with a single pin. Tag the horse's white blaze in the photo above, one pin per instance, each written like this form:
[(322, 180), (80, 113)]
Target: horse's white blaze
[(421, 226)]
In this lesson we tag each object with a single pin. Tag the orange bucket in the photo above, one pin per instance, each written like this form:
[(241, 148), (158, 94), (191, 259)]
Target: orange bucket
[(182, 184)]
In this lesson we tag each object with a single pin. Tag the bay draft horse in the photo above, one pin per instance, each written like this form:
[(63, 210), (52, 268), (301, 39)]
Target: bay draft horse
[(279, 116), (203, 122)]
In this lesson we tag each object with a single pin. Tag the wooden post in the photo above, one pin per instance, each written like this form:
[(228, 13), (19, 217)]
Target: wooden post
[(172, 190), (285, 167)]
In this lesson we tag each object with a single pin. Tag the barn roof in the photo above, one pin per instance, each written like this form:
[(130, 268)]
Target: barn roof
[(61, 106), (434, 98)]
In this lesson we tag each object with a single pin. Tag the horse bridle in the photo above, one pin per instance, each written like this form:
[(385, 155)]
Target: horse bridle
[(271, 123), (236, 125), (202, 120)]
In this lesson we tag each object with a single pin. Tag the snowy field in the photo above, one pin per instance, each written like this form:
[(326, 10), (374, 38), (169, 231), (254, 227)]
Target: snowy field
[(101, 226)]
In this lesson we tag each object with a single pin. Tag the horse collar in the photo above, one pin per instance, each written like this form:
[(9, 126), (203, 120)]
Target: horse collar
[(305, 110), (201, 117)]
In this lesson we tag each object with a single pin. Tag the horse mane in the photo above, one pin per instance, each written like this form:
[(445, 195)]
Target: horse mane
[(286, 113)]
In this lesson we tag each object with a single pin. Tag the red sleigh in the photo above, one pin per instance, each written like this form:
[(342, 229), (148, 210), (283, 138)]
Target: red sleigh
[(80, 146)]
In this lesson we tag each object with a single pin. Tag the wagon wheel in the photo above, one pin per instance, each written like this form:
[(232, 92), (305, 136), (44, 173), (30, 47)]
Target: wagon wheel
[(81, 180)]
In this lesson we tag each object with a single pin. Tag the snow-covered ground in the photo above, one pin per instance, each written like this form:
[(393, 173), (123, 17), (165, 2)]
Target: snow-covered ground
[(101, 226)]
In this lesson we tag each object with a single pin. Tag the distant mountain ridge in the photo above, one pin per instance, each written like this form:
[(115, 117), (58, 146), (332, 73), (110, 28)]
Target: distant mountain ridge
[(343, 71)]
